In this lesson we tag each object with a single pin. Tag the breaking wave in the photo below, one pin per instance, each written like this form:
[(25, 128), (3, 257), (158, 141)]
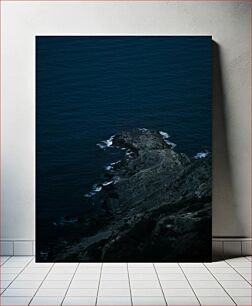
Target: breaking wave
[(166, 137), (202, 154)]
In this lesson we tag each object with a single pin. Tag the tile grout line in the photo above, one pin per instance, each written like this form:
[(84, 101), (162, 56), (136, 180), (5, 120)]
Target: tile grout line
[(246, 258), (96, 300), (16, 276), (189, 284), (9, 257), (131, 299), (236, 271), (220, 284), (1, 265), (41, 283), (70, 283), (160, 283)]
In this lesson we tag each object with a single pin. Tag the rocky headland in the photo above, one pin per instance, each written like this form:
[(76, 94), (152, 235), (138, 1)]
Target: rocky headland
[(153, 205)]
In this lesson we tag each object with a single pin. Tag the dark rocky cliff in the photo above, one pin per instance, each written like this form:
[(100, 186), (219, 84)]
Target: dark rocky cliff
[(153, 205)]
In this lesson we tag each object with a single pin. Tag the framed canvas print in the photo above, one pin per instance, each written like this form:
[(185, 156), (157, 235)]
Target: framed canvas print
[(123, 148)]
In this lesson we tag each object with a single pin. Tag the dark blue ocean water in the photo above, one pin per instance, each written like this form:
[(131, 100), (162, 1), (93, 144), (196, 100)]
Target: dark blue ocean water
[(89, 88)]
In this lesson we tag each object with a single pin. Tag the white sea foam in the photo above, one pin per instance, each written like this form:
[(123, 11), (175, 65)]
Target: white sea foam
[(201, 155), (114, 163), (143, 129), (93, 192), (106, 143), (97, 188), (107, 183), (164, 134), (166, 137)]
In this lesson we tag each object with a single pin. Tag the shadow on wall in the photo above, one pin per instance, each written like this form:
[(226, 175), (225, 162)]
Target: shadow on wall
[(225, 215)]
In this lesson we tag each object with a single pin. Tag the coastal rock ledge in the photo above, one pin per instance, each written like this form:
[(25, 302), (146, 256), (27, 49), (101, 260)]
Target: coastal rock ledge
[(154, 205)]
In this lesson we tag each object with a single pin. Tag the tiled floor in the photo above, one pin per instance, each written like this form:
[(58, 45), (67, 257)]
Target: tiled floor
[(24, 282)]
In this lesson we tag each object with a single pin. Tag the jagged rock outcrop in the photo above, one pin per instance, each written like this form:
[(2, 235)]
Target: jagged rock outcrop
[(156, 203)]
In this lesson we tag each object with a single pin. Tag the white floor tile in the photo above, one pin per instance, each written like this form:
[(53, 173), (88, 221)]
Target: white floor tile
[(140, 301), (217, 264), (145, 284), (239, 291), (221, 270), (19, 292), (82, 292), (174, 284), (114, 270), (89, 270), (243, 270), (14, 264), (200, 276), (25, 284), (63, 270), (205, 284), (243, 300), (21, 258), (79, 301), (195, 270), (229, 276), (236, 264), (58, 277), (247, 277), (172, 276), (190, 300), (5, 283), (4, 259), (118, 276), (84, 284), (236, 259), (116, 301), (169, 270), (147, 270), (40, 265), (210, 292), (235, 284), (30, 276), (146, 292), (114, 284), (32, 270), (14, 300), (178, 292), (47, 300), (6, 277), (51, 292), (221, 300), (114, 292), (55, 284), (8, 270), (87, 277)]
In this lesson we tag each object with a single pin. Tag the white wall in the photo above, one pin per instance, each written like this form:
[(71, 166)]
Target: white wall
[(227, 22)]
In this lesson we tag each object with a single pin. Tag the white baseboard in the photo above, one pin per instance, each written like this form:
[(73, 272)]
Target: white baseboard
[(231, 247), (17, 247), (222, 247)]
